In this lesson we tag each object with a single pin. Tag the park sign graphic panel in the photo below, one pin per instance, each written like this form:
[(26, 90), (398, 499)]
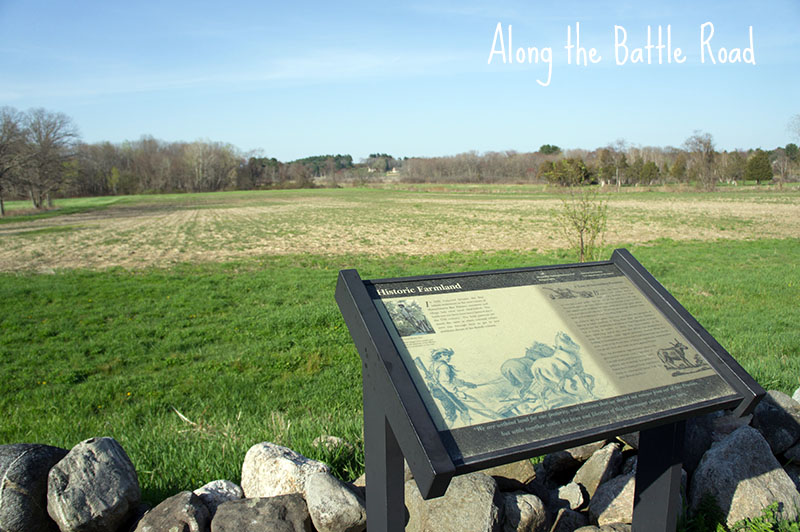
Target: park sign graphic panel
[(522, 356), (513, 361)]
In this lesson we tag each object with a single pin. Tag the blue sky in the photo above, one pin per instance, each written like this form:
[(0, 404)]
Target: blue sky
[(408, 78)]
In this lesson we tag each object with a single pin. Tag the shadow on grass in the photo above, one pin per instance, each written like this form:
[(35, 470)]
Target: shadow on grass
[(31, 215)]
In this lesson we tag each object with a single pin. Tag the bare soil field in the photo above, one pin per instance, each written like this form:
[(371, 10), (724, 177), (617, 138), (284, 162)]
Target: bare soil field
[(162, 231)]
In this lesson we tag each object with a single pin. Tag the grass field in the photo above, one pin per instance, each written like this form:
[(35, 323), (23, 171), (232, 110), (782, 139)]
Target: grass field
[(122, 313), (140, 231)]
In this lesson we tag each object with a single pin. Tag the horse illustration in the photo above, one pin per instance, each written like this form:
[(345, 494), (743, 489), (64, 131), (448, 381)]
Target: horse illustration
[(564, 367), (552, 369), (518, 370)]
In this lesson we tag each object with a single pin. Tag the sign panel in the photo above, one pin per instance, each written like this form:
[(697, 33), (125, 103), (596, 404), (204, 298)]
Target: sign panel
[(508, 359)]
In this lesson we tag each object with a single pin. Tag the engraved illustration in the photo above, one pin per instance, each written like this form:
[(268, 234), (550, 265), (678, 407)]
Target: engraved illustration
[(546, 377), (448, 388), (674, 360), (567, 293), (409, 318), (554, 375)]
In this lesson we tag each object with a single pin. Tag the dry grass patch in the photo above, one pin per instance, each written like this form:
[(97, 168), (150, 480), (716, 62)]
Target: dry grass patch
[(160, 232)]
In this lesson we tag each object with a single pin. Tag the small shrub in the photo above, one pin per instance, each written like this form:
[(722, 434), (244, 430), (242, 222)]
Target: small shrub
[(583, 219)]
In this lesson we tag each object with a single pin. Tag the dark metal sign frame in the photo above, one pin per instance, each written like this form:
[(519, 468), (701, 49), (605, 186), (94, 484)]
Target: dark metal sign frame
[(397, 422)]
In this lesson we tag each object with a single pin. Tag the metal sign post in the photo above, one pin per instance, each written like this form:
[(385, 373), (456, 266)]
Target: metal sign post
[(657, 496), (444, 384)]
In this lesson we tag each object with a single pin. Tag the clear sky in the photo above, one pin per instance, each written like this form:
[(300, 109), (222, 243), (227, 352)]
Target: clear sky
[(407, 78)]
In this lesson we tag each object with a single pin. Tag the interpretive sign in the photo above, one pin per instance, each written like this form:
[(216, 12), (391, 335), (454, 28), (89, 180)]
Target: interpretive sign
[(508, 359), (482, 368)]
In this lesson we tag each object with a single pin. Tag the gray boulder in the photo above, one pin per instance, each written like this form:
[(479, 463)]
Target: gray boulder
[(582, 453), (572, 496), (93, 488), (407, 474), (613, 501), (472, 503), (184, 512), (796, 395), (548, 496), (777, 418), (744, 477), (603, 465), (514, 476), (218, 491), (697, 439), (360, 484), (568, 520), (630, 464), (283, 513), (524, 513), (614, 527), (559, 467), (724, 423), (792, 454), (333, 506), (23, 486), (135, 516), (793, 470), (269, 470), (361, 481)]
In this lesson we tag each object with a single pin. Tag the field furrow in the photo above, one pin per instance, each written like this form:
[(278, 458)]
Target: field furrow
[(378, 222)]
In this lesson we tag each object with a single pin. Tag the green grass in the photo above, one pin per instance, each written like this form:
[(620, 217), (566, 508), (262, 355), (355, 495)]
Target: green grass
[(256, 350), (746, 294), (21, 211), (709, 518)]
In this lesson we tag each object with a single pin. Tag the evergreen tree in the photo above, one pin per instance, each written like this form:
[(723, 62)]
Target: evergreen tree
[(758, 167), (678, 169), (549, 149), (792, 151), (635, 170), (650, 173)]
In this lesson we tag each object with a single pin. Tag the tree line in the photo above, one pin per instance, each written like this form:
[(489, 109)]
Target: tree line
[(620, 164), (42, 156)]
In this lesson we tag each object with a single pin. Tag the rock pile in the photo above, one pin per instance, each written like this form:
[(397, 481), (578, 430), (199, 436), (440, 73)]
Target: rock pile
[(94, 486)]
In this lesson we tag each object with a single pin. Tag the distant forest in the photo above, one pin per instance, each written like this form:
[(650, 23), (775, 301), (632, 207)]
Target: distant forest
[(42, 157)]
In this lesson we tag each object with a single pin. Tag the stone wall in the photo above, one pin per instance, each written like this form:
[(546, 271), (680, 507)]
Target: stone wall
[(744, 464)]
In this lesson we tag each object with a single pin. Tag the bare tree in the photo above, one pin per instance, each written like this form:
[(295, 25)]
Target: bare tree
[(618, 148), (782, 164), (582, 219), (702, 155), (12, 145), (147, 159), (299, 173), (51, 141), (98, 172), (606, 168), (733, 166), (330, 171)]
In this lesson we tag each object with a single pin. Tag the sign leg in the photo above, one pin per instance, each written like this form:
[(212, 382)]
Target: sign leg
[(384, 468), (657, 498)]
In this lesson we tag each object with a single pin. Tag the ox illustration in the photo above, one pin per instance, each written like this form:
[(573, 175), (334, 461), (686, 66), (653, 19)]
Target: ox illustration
[(674, 357)]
